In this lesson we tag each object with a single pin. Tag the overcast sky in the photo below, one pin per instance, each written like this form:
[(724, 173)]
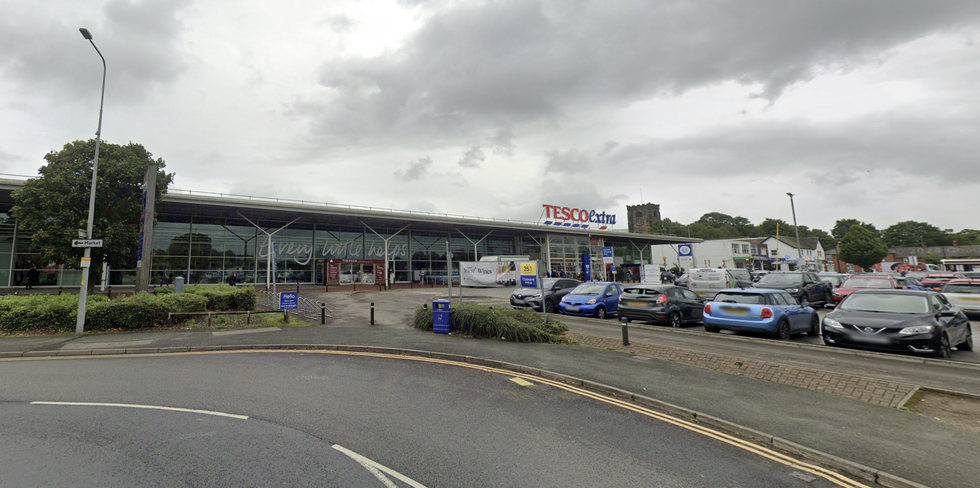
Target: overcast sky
[(864, 109)]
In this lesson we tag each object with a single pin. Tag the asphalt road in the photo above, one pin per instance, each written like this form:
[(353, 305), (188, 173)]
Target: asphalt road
[(416, 422)]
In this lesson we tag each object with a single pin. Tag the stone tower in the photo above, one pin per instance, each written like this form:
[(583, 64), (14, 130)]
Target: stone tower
[(640, 217)]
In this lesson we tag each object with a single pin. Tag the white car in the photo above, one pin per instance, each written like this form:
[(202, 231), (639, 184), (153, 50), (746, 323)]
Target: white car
[(965, 294)]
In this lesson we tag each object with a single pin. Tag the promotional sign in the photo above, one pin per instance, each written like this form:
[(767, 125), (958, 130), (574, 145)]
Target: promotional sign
[(685, 253), (607, 255), (529, 274), (481, 274), (587, 266), (288, 300)]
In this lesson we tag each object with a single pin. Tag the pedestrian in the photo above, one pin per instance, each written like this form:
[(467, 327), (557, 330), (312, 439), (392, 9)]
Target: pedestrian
[(165, 278), (233, 279), (32, 276)]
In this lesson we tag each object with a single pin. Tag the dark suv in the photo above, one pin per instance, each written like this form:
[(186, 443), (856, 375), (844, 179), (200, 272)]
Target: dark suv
[(554, 289), (805, 286)]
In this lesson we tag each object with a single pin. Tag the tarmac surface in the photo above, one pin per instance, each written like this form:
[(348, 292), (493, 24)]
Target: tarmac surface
[(856, 433)]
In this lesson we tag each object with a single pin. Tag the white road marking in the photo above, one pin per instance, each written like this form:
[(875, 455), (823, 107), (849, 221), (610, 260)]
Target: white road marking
[(244, 331), (149, 407), (376, 469)]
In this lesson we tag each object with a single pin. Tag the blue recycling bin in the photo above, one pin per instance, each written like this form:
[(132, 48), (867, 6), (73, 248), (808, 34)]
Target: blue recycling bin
[(440, 316)]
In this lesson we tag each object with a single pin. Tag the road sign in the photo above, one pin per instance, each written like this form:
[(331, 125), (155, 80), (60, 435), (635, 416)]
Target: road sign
[(529, 274), (288, 300), (86, 243)]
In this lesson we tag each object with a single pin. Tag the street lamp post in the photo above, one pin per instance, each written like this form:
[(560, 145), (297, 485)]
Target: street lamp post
[(87, 260), (799, 250)]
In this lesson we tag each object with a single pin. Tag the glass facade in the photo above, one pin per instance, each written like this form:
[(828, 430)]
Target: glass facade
[(204, 247)]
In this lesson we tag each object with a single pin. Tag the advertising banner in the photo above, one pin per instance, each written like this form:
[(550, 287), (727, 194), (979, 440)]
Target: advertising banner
[(480, 274), (529, 274), (685, 254), (607, 255)]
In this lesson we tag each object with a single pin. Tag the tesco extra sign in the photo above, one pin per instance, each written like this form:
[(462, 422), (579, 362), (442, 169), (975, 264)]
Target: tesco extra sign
[(576, 217)]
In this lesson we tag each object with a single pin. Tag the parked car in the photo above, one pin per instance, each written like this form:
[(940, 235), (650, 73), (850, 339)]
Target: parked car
[(757, 274), (965, 294), (706, 282), (862, 282), (760, 310), (664, 304), (682, 280), (922, 322), (835, 279), (917, 274), (592, 299), (805, 286), (973, 275), (910, 283), (554, 289), (937, 280)]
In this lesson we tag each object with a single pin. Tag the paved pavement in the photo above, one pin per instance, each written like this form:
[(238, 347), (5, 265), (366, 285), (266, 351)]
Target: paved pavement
[(855, 428)]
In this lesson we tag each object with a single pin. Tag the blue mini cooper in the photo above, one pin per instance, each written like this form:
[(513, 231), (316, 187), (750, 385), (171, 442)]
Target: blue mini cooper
[(760, 310)]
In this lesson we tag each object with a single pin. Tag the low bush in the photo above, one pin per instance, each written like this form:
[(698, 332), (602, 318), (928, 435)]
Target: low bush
[(500, 323), (58, 313), (218, 297), (142, 310)]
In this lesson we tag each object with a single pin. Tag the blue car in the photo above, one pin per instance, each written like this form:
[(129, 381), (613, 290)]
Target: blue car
[(592, 299), (760, 310)]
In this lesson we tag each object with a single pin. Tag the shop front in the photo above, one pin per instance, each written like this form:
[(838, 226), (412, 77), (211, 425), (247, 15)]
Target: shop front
[(352, 271)]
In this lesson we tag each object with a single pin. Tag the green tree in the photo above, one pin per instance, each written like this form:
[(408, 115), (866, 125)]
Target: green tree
[(862, 247), (843, 225), (912, 233), (668, 227), (742, 226), (768, 228), (54, 206), (967, 237)]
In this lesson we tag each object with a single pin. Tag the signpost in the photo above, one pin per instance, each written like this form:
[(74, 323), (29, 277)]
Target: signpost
[(86, 243), (530, 279)]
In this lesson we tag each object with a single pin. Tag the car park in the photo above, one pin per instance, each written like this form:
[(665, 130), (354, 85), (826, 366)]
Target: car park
[(554, 290), (706, 282), (805, 286), (909, 283), (663, 304), (965, 294), (771, 311), (835, 279), (593, 299), (937, 280), (921, 322), (861, 282)]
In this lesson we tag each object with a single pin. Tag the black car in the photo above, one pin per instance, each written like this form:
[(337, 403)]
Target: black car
[(805, 286), (664, 304), (554, 289), (922, 322)]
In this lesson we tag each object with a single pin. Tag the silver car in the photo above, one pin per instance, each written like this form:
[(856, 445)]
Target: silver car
[(965, 294)]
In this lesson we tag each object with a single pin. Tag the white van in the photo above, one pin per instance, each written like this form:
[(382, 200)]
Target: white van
[(707, 282)]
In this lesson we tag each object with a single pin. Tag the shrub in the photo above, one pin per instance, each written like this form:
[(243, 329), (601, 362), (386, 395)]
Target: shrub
[(218, 297), (141, 310), (501, 323), (44, 312)]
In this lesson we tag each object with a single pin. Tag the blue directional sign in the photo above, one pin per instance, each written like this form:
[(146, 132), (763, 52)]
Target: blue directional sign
[(288, 300)]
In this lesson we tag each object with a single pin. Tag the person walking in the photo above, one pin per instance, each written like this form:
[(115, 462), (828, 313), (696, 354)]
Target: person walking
[(32, 276), (233, 279)]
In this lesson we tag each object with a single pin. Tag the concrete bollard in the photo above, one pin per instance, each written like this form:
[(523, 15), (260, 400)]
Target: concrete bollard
[(626, 334)]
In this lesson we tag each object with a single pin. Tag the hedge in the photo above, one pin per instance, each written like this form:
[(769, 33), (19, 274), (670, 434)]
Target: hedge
[(499, 323), (58, 313)]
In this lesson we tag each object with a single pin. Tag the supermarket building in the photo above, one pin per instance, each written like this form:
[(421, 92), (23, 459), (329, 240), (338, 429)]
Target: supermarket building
[(206, 236)]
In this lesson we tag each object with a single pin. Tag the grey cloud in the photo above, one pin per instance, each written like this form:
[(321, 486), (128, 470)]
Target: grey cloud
[(415, 171), (503, 142), (342, 23), (472, 158), (518, 62), (138, 40), (571, 161)]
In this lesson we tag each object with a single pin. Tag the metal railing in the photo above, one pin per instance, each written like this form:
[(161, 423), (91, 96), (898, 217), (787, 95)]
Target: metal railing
[(313, 311)]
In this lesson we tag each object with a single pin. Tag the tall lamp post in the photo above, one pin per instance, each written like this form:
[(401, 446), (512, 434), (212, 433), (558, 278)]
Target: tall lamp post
[(797, 229), (87, 260)]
